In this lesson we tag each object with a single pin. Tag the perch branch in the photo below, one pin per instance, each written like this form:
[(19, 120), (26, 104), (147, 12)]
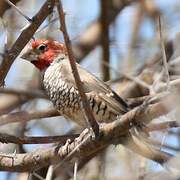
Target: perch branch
[(116, 132)]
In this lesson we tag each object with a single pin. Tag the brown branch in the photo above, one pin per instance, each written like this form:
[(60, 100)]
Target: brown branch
[(18, 10), (116, 132), (163, 51), (42, 157), (6, 138), (10, 102), (23, 39), (161, 126), (24, 116), (24, 93), (91, 37), (4, 6), (105, 4), (91, 120)]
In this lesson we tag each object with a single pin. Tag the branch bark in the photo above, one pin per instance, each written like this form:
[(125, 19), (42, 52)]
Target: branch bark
[(4, 6), (23, 39), (86, 107), (24, 116), (116, 132), (105, 39)]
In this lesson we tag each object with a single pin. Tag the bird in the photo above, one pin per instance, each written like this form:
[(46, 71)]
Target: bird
[(51, 58)]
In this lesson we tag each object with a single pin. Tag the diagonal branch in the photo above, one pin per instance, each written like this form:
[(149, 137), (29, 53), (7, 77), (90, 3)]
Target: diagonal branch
[(4, 6), (24, 37), (91, 120), (18, 10)]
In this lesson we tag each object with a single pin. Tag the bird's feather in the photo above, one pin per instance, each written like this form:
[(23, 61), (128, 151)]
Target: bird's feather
[(93, 85)]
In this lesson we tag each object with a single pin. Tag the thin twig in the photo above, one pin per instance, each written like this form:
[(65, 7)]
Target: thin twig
[(163, 53), (89, 115), (46, 25), (6, 138), (18, 10), (160, 87), (130, 77), (24, 116), (157, 57)]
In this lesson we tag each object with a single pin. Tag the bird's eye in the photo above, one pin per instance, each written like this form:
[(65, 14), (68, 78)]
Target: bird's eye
[(42, 47)]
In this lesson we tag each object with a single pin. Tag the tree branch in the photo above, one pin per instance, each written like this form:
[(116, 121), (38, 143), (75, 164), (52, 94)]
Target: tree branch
[(24, 116), (6, 138), (23, 39), (91, 120), (116, 132), (24, 93), (105, 4)]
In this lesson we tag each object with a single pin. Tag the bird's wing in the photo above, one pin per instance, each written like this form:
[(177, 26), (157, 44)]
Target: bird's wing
[(92, 84)]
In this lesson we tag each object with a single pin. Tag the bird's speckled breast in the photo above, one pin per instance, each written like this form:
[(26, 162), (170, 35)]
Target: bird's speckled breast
[(64, 97)]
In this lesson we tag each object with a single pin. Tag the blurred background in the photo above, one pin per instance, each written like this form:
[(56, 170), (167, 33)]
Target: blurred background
[(133, 40)]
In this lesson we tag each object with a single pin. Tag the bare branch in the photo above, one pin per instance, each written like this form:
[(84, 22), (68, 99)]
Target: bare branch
[(4, 6), (24, 116), (105, 4), (75, 169), (91, 120), (91, 37), (42, 157), (6, 138), (163, 53), (24, 93), (23, 39), (111, 133), (18, 10)]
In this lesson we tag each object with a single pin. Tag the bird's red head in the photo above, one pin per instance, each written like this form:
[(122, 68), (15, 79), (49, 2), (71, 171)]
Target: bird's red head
[(42, 52)]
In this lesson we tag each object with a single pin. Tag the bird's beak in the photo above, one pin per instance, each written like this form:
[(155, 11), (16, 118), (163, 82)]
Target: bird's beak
[(28, 54)]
